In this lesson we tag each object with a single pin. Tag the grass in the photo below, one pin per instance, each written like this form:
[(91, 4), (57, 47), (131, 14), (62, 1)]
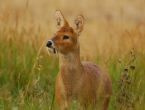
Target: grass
[(27, 76), (27, 72)]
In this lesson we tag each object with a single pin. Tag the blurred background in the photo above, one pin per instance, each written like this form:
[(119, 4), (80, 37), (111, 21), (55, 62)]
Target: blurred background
[(110, 25), (113, 37)]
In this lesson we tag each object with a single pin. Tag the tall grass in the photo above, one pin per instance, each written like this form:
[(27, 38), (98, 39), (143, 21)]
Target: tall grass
[(27, 72)]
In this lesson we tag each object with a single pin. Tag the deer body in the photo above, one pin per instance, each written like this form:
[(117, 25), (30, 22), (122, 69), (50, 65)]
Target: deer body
[(81, 81)]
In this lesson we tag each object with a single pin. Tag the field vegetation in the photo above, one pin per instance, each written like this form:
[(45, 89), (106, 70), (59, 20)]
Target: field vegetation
[(113, 37)]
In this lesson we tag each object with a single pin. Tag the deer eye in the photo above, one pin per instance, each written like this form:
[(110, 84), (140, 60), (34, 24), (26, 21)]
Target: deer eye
[(65, 37)]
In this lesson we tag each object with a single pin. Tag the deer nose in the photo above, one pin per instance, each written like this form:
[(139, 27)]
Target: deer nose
[(49, 43)]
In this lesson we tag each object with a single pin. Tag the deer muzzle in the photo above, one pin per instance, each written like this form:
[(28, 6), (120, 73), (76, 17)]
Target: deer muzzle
[(50, 45)]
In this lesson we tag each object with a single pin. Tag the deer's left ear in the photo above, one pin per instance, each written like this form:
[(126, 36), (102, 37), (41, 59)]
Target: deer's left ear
[(79, 24), (60, 20)]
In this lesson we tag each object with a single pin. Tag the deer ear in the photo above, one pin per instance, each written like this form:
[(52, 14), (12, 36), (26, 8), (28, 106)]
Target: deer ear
[(60, 20), (79, 24)]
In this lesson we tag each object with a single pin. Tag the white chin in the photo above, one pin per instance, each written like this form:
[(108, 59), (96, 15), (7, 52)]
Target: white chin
[(52, 50)]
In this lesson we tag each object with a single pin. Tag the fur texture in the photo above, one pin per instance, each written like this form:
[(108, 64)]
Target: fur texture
[(81, 81)]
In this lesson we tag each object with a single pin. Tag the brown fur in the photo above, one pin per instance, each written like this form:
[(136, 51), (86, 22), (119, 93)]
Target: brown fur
[(76, 80)]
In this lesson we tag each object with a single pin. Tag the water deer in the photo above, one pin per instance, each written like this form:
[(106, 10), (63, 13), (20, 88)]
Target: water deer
[(84, 82)]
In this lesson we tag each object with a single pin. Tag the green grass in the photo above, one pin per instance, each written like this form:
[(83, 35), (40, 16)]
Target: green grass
[(27, 75)]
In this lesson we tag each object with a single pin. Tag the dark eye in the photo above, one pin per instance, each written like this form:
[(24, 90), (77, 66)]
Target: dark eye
[(65, 37)]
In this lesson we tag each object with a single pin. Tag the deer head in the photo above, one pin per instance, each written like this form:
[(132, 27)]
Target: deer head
[(65, 40)]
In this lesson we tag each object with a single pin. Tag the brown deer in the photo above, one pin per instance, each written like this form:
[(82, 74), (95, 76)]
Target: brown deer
[(81, 81)]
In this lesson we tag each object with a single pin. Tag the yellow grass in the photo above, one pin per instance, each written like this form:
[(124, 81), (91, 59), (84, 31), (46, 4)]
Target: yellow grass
[(111, 26), (113, 30)]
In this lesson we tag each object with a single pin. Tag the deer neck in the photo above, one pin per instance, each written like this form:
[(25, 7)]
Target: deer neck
[(70, 70), (70, 61), (70, 64)]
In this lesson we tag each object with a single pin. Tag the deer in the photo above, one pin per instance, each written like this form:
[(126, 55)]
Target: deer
[(77, 80)]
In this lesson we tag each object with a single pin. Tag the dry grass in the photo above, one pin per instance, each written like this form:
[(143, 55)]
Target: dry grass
[(113, 35)]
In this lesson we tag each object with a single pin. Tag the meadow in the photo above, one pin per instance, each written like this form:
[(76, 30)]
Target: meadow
[(113, 37)]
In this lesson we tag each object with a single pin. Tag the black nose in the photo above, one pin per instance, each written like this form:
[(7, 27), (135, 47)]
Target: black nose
[(49, 43)]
